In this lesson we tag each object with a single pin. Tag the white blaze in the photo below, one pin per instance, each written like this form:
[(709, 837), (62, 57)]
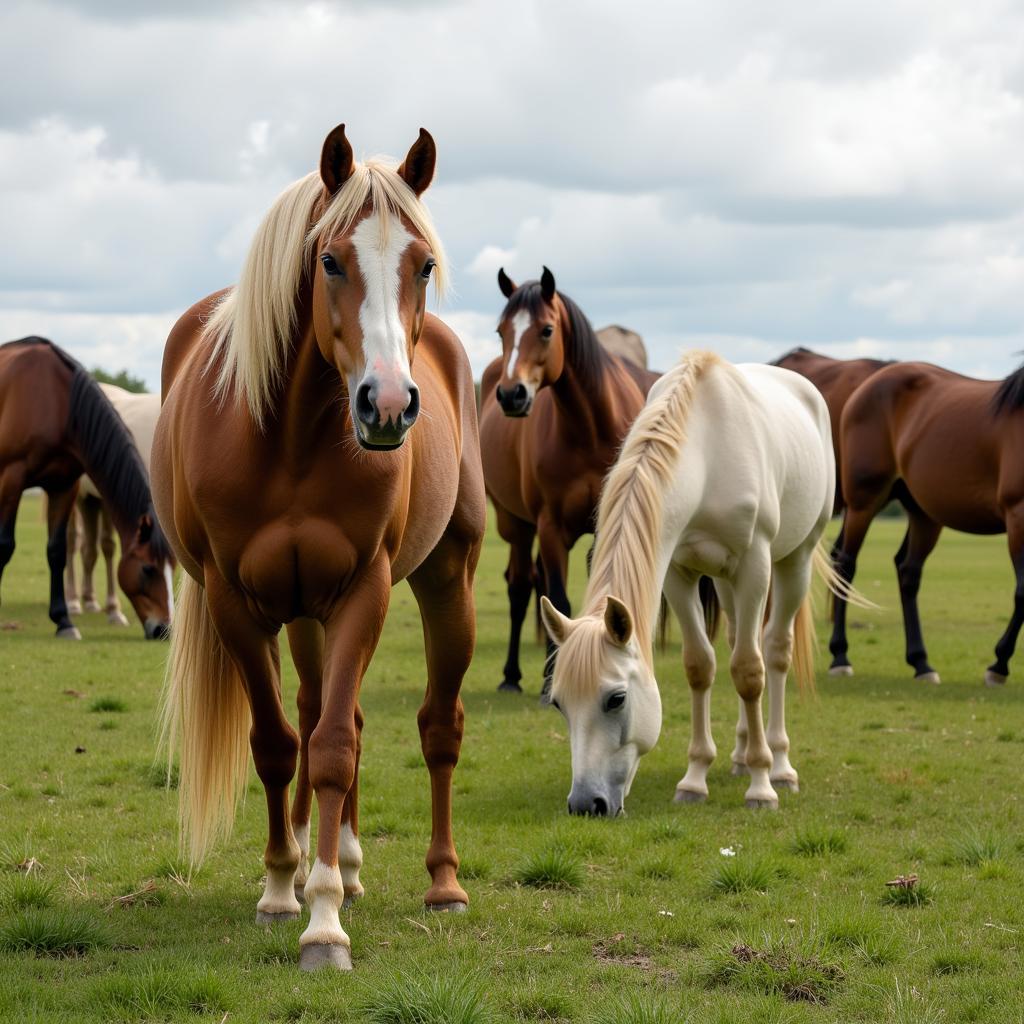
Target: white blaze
[(520, 322)]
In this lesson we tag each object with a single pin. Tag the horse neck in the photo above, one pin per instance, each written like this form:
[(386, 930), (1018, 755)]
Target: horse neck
[(587, 410)]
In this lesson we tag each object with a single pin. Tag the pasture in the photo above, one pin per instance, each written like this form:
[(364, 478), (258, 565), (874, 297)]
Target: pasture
[(640, 920)]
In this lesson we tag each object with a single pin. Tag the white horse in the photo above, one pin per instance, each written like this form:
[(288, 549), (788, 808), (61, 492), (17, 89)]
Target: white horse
[(90, 528), (727, 472)]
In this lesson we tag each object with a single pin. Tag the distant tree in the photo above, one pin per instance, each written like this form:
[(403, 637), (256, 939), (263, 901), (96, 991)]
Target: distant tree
[(123, 379)]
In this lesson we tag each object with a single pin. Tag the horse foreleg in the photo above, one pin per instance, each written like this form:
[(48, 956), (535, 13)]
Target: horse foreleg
[(855, 528), (999, 669), (58, 511), (444, 591), (70, 576), (12, 483), (351, 637), (699, 662), (554, 554), (520, 579), (922, 536), (108, 545), (253, 648)]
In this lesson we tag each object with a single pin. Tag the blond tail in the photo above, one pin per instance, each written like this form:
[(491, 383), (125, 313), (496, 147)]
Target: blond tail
[(837, 586), (205, 719)]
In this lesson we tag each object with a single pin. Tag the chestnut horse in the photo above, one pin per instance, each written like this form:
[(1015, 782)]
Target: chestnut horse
[(951, 450), (554, 409), (55, 425), (836, 379), (296, 490)]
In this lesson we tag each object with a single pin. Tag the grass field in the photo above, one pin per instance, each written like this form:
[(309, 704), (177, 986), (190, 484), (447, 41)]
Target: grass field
[(640, 920)]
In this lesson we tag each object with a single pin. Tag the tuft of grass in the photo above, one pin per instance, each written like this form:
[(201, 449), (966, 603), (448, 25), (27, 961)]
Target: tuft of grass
[(918, 895), (905, 1005), (953, 960), (639, 1008), (25, 891), (973, 848), (104, 704), (778, 970), (666, 831), (818, 842), (739, 876), (400, 997), (549, 1004), (157, 776), (156, 994), (474, 868), (658, 869), (551, 869), (864, 934), (48, 931)]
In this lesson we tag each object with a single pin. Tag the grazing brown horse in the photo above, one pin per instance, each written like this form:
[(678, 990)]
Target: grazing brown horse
[(55, 425), (951, 450), (554, 409), (836, 379), (296, 490)]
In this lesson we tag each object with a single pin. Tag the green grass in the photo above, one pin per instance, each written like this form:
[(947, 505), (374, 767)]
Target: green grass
[(895, 778), (405, 998), (108, 704)]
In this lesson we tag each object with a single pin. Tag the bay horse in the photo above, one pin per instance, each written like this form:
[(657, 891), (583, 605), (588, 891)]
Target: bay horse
[(836, 379), (90, 528), (951, 449), (727, 472), (298, 482), (554, 409), (55, 425)]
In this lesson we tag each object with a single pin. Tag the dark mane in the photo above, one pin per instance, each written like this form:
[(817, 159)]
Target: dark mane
[(801, 350), (798, 351), (1010, 395), (108, 450), (583, 351)]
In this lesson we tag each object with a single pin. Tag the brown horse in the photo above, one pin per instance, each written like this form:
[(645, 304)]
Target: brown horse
[(296, 491), (836, 379), (554, 409), (55, 425), (951, 450)]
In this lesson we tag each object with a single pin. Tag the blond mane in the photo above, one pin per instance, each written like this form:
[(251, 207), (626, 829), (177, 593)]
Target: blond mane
[(252, 327), (629, 519)]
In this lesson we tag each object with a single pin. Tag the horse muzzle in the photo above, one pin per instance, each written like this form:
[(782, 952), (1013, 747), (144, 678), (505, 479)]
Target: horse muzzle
[(587, 801), (156, 630), (383, 416), (516, 400)]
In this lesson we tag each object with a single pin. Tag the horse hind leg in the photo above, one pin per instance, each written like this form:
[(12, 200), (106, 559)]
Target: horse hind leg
[(59, 505), (922, 536), (12, 483), (70, 576), (999, 670), (89, 515), (108, 545), (520, 579)]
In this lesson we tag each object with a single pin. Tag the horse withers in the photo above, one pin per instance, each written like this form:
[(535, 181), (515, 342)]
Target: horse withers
[(55, 425), (727, 472), (318, 443)]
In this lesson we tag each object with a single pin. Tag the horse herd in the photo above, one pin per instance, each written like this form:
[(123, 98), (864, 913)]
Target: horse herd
[(300, 467)]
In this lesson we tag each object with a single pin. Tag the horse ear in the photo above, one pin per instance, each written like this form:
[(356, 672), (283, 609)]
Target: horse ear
[(145, 530), (547, 285), (618, 620), (559, 626), (417, 169), (505, 283), (336, 162)]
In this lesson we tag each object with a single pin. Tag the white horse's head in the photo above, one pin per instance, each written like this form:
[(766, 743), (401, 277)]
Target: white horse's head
[(605, 687)]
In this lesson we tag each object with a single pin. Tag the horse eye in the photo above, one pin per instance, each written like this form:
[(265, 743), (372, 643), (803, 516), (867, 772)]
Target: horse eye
[(331, 267), (547, 331), (150, 572), (615, 701), (427, 268)]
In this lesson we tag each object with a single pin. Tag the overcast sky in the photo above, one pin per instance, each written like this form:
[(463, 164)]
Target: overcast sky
[(742, 175)]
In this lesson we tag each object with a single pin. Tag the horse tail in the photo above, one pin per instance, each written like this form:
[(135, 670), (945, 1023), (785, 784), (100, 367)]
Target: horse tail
[(205, 718), (805, 645), (711, 605), (837, 586)]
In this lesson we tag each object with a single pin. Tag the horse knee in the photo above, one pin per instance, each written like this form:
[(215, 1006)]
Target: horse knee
[(333, 756), (748, 677), (909, 577), (275, 756), (109, 548), (778, 653), (441, 732), (700, 670), (57, 550), (6, 550)]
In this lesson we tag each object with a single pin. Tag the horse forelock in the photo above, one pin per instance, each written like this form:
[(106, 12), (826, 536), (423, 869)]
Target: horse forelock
[(252, 328)]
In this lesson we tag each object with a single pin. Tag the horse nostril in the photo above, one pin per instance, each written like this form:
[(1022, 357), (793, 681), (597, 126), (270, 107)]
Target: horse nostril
[(520, 394), (499, 393), (364, 405), (599, 807), (412, 410)]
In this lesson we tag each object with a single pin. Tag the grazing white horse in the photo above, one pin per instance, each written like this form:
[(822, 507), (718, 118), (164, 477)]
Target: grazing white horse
[(90, 528), (727, 472)]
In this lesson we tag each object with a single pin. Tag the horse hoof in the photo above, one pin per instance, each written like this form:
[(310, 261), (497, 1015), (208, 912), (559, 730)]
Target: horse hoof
[(74, 607), (300, 894), (739, 769), (928, 677), (689, 796), (792, 785), (455, 907), (350, 898), (994, 679), (273, 917), (325, 954), (69, 633), (117, 619), (841, 670), (508, 686), (762, 805), (92, 606)]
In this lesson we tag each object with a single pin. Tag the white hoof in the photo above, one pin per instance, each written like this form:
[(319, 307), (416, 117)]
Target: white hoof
[(325, 954), (69, 633), (689, 796), (74, 607), (91, 604), (994, 679), (117, 618), (841, 670), (739, 768), (928, 677)]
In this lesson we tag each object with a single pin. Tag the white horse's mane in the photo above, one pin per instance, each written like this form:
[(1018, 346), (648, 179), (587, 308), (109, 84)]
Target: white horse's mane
[(251, 329)]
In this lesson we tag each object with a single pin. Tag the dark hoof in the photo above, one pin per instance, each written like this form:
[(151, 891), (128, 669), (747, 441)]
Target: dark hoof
[(689, 796), (350, 898), (325, 954), (509, 687), (762, 805), (792, 785), (739, 769), (263, 917), (456, 907), (994, 678), (300, 893)]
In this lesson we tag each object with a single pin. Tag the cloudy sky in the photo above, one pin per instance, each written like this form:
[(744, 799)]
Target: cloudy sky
[(745, 175)]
